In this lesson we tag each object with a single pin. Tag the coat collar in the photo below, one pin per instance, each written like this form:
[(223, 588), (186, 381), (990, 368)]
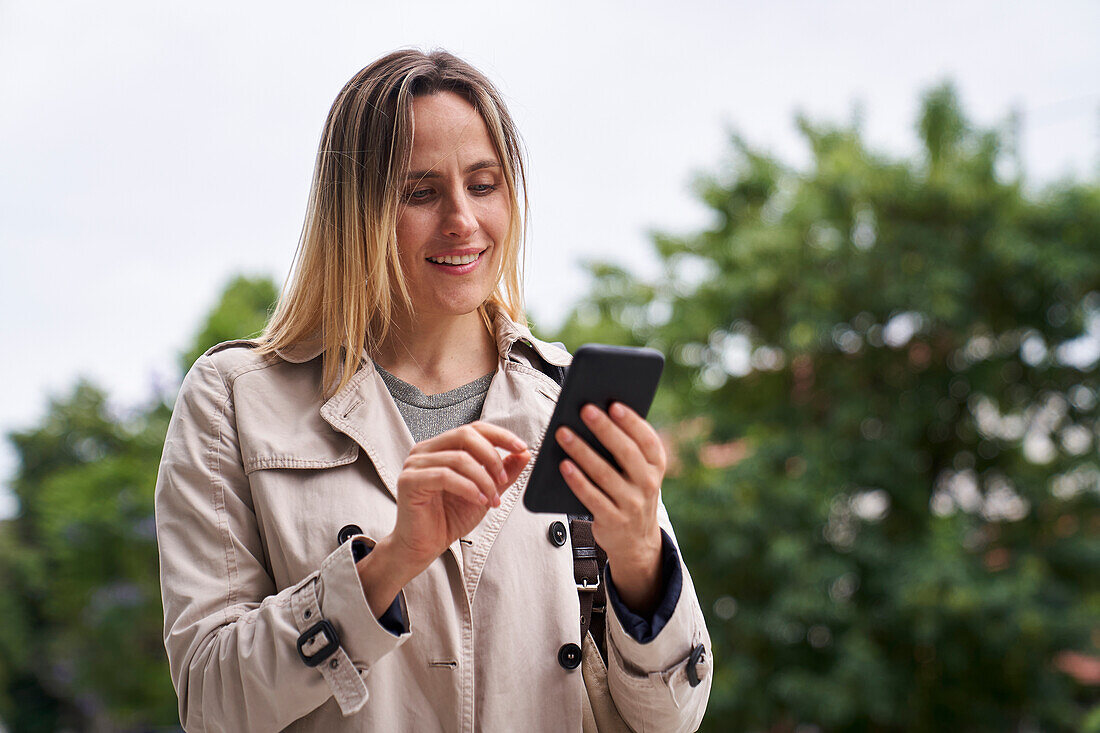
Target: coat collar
[(364, 405), (506, 331)]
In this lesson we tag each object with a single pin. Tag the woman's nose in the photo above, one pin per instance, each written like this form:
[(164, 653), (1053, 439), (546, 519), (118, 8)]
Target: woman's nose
[(461, 221)]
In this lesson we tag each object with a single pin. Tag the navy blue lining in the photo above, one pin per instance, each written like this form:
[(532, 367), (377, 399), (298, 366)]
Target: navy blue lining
[(393, 620), (643, 630)]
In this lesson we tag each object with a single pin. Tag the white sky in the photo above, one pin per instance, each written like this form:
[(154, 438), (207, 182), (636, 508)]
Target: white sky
[(150, 151)]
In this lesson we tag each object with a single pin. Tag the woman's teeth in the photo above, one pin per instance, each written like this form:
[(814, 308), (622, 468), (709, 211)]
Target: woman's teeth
[(453, 260)]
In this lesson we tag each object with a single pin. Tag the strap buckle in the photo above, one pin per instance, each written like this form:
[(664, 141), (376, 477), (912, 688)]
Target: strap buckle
[(322, 626), (583, 586)]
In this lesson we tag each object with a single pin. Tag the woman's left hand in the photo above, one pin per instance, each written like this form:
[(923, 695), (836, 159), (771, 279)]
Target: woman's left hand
[(623, 505)]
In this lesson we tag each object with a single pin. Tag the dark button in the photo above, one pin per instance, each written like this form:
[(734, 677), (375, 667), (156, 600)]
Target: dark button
[(569, 656), (557, 533), (347, 532), (696, 657)]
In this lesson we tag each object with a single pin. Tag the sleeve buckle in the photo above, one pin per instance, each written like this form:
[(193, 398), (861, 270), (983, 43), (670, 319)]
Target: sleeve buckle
[(322, 626)]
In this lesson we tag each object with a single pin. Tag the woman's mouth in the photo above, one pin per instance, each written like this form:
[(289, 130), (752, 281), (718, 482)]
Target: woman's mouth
[(457, 264)]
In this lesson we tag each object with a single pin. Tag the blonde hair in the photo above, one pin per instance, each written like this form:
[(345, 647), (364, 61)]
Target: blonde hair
[(347, 270)]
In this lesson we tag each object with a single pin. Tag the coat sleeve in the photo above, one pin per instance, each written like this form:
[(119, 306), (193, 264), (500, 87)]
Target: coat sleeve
[(232, 638), (650, 682)]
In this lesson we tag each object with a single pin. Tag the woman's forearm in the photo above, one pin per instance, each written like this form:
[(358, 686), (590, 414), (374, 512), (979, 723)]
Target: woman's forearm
[(383, 573)]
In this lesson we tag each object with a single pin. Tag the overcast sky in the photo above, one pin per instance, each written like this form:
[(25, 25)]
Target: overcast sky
[(149, 151)]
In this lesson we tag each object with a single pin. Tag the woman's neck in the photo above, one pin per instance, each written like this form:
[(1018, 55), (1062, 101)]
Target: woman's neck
[(439, 353)]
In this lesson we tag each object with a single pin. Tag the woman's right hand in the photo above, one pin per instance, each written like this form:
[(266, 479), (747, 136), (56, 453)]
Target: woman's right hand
[(445, 488)]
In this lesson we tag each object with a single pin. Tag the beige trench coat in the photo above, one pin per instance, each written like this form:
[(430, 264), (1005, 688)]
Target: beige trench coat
[(258, 476)]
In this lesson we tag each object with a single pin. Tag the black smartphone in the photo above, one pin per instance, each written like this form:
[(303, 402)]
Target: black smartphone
[(599, 374)]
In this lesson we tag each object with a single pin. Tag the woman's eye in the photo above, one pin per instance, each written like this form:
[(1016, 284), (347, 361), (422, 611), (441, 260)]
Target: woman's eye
[(483, 188), (419, 194)]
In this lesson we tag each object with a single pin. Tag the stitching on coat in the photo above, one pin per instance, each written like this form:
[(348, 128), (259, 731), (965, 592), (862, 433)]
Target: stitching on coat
[(480, 555), (218, 496), (265, 462), (265, 362)]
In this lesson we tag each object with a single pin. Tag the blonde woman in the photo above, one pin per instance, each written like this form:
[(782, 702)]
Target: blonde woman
[(342, 541)]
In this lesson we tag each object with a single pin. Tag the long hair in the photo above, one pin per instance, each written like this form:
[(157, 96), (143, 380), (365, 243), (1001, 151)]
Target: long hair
[(347, 274)]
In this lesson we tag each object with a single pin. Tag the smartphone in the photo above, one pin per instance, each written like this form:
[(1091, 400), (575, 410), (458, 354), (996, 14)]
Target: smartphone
[(599, 374)]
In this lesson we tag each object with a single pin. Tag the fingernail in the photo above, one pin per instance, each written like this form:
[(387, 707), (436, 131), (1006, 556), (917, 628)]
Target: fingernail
[(519, 445), (502, 476), (618, 410), (565, 435)]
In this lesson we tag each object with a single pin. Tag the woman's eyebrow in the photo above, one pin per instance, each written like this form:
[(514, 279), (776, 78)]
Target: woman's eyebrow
[(481, 164)]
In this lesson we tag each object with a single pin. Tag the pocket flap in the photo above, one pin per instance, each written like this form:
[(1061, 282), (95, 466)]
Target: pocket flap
[(284, 429), (322, 455)]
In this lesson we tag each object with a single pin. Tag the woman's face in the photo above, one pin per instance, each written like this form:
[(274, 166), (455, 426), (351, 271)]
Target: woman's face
[(455, 205)]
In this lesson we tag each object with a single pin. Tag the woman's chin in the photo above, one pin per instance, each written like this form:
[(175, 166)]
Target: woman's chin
[(452, 309)]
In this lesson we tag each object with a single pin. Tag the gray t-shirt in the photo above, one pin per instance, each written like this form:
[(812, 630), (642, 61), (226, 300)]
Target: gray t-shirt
[(429, 415)]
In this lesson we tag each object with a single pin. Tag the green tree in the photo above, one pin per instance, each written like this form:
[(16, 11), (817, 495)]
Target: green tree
[(81, 645), (241, 312), (884, 404)]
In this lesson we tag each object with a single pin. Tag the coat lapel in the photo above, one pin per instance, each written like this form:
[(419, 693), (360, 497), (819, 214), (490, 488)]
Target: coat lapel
[(365, 411)]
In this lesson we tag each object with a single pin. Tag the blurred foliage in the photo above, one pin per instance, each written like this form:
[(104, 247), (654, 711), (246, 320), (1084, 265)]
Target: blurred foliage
[(884, 416), (242, 312), (884, 474), (81, 640)]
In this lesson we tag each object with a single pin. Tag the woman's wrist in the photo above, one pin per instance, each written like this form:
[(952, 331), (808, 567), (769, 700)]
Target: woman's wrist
[(383, 573), (637, 575)]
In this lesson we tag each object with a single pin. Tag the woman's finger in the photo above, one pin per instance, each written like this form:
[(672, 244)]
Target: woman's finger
[(479, 440), (595, 500), (441, 478), (513, 466), (602, 473), (625, 451), (497, 435), (461, 463), (643, 434)]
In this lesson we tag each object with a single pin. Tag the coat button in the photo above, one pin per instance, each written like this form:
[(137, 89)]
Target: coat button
[(569, 656), (557, 533), (347, 532)]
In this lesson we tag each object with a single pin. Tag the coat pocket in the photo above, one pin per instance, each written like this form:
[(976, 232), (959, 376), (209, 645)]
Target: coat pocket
[(288, 445)]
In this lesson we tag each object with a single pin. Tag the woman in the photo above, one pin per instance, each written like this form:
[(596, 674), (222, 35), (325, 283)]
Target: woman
[(342, 542)]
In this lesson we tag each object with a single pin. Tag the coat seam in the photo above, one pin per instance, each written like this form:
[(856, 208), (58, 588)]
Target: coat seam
[(218, 497), (264, 361), (269, 462)]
